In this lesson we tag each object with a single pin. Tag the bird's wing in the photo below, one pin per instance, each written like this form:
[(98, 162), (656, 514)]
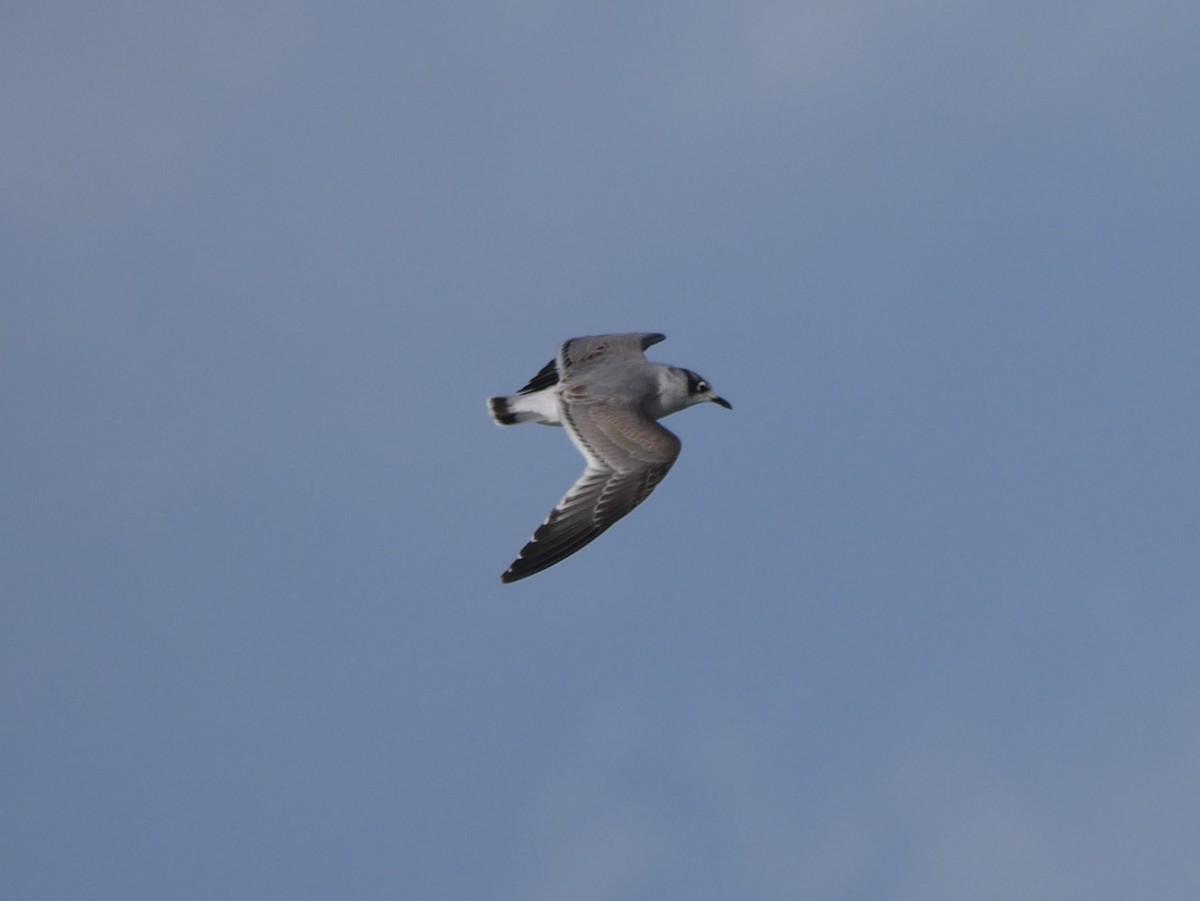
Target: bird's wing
[(547, 376), (581, 352), (627, 455), (585, 350)]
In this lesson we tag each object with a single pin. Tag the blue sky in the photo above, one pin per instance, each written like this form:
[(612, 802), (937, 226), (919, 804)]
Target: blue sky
[(916, 620)]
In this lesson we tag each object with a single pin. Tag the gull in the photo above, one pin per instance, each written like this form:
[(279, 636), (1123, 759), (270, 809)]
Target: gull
[(609, 397)]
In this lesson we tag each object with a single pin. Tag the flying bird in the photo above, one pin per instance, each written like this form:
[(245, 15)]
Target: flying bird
[(609, 397)]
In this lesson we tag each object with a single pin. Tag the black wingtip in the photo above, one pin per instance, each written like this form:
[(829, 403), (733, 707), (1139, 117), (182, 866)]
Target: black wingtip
[(546, 377), (519, 569)]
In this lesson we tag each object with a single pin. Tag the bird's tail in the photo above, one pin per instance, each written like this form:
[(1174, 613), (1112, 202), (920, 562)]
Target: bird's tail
[(503, 413), (519, 408)]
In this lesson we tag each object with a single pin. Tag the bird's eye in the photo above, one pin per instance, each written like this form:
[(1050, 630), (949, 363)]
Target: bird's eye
[(702, 386)]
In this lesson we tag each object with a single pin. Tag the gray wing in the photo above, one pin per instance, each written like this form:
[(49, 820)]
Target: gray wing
[(580, 352), (627, 455), (597, 347)]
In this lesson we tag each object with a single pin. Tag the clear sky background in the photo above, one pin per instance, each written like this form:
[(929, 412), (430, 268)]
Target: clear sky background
[(916, 620)]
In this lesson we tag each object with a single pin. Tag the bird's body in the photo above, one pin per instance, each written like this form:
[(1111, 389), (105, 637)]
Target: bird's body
[(608, 396)]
